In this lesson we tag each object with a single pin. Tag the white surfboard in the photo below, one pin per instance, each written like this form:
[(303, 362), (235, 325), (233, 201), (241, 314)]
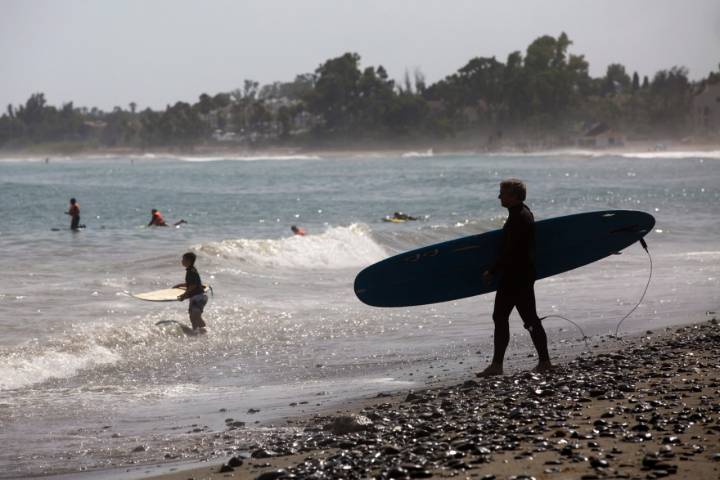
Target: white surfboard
[(164, 295)]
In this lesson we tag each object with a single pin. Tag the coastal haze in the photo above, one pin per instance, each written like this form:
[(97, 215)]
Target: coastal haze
[(244, 118), (107, 54)]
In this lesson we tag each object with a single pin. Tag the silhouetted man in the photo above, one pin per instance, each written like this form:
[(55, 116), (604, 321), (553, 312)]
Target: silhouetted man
[(515, 266)]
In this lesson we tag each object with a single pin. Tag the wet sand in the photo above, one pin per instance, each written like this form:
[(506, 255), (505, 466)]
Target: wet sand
[(644, 407)]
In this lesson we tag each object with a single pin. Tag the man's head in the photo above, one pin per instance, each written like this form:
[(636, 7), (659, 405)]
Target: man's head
[(73, 201), (153, 211), (188, 259), (512, 192)]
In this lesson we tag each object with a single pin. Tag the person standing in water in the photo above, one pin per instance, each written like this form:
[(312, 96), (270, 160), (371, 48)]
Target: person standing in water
[(74, 212), (194, 291), (515, 266), (298, 230)]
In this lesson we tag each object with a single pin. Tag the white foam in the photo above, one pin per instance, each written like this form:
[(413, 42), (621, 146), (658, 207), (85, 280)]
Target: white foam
[(338, 247), (709, 154), (677, 154), (21, 369), (427, 153), (244, 158)]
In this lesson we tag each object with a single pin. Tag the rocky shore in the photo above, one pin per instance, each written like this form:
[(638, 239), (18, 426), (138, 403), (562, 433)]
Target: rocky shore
[(643, 408)]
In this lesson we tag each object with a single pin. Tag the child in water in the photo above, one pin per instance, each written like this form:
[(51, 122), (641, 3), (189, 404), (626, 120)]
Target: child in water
[(194, 291)]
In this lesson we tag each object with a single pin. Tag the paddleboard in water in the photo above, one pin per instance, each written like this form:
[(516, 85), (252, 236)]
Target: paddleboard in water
[(452, 270), (164, 295)]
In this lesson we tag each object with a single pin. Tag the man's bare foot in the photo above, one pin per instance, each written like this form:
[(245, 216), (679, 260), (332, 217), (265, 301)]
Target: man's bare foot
[(543, 367), (491, 371)]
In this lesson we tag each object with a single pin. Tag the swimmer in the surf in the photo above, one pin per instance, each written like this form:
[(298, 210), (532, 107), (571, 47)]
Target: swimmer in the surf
[(157, 220)]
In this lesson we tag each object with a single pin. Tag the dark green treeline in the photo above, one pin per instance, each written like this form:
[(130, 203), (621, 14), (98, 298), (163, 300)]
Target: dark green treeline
[(543, 92)]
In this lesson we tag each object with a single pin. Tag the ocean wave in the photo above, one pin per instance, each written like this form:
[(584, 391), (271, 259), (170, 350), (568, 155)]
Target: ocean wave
[(709, 154), (24, 368), (241, 158), (427, 153), (86, 348), (569, 152), (337, 247)]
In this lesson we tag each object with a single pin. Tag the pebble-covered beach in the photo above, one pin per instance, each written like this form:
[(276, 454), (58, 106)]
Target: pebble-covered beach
[(640, 408)]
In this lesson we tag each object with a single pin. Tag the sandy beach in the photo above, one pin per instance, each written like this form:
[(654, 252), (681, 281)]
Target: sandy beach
[(642, 407)]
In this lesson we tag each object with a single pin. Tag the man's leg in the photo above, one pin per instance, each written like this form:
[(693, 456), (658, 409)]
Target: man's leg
[(504, 304), (525, 303)]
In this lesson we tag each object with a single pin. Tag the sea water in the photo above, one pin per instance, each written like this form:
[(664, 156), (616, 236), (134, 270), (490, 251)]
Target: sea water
[(86, 376)]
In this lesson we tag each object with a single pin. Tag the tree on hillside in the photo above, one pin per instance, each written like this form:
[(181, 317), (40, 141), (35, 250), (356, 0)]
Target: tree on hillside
[(616, 80), (336, 91)]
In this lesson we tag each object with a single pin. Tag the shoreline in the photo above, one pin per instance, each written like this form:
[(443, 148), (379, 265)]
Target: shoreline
[(429, 150), (643, 408)]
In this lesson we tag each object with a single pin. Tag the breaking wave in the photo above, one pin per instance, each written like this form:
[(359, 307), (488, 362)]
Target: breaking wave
[(427, 153), (240, 158), (337, 247), (23, 368)]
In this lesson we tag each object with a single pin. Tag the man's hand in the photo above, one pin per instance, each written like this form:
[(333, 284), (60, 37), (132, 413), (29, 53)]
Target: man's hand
[(181, 297), (487, 277)]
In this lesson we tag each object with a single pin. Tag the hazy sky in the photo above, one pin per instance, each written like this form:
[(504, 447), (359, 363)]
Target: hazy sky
[(154, 52)]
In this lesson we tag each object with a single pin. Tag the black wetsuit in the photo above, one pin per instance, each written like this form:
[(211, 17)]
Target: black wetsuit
[(516, 288)]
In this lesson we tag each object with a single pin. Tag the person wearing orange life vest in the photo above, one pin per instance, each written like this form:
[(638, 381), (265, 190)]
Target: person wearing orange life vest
[(297, 230), (157, 219)]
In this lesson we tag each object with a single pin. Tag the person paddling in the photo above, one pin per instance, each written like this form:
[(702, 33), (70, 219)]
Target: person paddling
[(157, 220)]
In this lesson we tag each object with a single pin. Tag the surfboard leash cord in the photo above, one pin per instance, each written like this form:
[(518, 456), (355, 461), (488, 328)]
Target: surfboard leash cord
[(642, 297), (585, 338)]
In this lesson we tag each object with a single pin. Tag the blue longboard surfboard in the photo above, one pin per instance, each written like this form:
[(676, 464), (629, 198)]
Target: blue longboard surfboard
[(452, 270)]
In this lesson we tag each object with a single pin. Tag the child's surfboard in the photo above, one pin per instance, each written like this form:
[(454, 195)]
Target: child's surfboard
[(452, 270), (164, 295)]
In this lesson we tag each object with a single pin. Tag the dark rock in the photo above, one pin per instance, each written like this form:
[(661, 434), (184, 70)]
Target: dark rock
[(226, 468), (397, 472), (273, 475), (263, 453), (391, 450), (348, 424)]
